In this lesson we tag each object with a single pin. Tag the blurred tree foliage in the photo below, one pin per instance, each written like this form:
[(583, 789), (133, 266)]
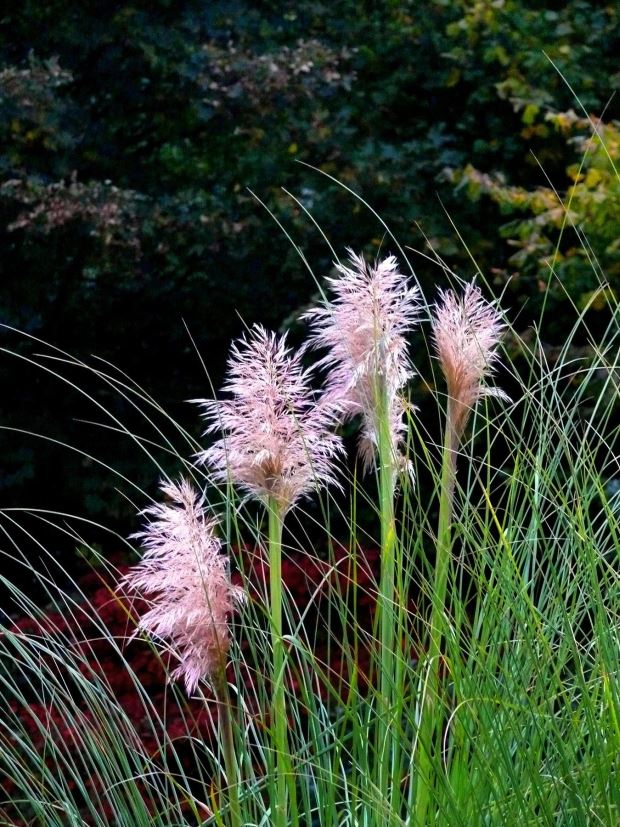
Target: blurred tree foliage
[(132, 132), (568, 243)]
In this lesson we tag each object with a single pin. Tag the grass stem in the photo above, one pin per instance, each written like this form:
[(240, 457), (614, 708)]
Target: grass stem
[(285, 782), (430, 724), (231, 761), (387, 741)]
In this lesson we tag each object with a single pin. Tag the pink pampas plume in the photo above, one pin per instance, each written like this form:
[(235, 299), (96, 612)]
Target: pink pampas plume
[(277, 444), (365, 329), (187, 577), (467, 331)]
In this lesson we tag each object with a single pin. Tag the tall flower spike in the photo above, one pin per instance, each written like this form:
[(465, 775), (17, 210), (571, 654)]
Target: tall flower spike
[(276, 443), (365, 329), (467, 331), (188, 579)]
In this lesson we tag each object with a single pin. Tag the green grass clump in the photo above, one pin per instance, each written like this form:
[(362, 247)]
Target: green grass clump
[(509, 716)]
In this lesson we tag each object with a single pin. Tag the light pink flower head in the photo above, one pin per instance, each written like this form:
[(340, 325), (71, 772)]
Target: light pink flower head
[(467, 331), (277, 444), (187, 578), (365, 330)]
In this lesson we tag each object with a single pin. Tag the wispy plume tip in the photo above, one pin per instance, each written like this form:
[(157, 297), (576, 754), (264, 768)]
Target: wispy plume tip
[(186, 578), (364, 329), (276, 442), (467, 330)]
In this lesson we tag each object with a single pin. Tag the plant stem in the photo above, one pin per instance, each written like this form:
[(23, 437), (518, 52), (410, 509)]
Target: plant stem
[(285, 783), (228, 744), (430, 722), (386, 744)]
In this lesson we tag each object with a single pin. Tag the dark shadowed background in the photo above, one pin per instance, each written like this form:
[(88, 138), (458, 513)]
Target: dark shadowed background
[(131, 135)]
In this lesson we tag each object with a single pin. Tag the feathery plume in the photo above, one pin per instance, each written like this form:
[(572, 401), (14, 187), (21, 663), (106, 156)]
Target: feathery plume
[(466, 332), (365, 329), (188, 577), (276, 443)]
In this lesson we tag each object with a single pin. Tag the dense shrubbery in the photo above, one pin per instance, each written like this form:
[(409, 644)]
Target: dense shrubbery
[(131, 132)]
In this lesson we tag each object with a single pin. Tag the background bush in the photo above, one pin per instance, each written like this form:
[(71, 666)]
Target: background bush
[(132, 132)]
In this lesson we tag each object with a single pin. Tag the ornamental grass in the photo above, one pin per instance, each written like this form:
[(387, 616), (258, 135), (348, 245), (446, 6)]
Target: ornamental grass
[(420, 631)]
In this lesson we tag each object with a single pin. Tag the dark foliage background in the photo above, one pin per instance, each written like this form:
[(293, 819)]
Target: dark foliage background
[(131, 134)]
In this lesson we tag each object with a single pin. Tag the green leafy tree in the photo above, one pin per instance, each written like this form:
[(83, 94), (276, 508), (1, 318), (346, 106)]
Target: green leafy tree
[(132, 132)]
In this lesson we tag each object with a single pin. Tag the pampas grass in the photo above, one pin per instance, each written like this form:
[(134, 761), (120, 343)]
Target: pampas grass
[(476, 682)]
